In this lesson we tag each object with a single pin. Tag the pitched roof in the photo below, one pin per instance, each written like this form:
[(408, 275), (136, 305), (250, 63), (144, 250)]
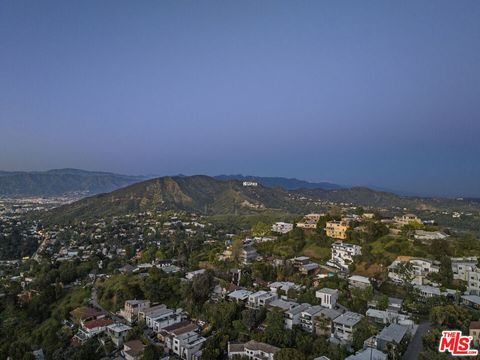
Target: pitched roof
[(474, 325), (92, 324), (135, 347)]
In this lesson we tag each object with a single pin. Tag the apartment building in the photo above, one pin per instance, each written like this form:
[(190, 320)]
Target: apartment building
[(336, 229)]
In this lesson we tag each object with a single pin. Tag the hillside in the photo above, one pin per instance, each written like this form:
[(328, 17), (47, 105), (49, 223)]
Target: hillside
[(210, 196), (285, 183), (61, 181), (194, 193)]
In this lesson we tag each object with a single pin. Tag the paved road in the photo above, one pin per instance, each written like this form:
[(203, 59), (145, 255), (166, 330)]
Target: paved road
[(94, 302), (416, 346)]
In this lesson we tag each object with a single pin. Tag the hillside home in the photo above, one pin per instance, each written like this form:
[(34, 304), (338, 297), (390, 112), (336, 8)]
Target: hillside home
[(328, 297), (260, 299), (342, 255), (282, 227), (133, 350), (344, 325), (132, 308), (253, 350), (117, 333), (408, 219), (336, 229), (294, 314), (474, 332), (359, 282), (405, 268), (323, 321)]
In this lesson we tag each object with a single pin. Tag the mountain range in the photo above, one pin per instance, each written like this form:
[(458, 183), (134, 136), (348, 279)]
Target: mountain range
[(61, 182), (67, 181), (211, 196)]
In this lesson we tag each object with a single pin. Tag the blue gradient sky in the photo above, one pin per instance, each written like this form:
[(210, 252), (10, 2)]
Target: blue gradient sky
[(354, 92)]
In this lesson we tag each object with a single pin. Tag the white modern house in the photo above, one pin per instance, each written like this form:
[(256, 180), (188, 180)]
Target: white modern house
[(328, 297), (260, 299), (342, 255)]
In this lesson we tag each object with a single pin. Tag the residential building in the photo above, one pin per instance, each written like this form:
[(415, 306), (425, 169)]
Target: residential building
[(133, 350), (427, 291), (344, 325), (368, 354), (473, 282), (410, 269), (328, 297), (248, 254), (408, 219), (307, 224), (282, 227), (336, 229), (423, 235), (253, 350), (323, 321), (94, 327), (284, 286), (188, 345), (294, 314), (132, 308), (260, 299), (304, 265), (474, 332), (117, 333), (342, 255), (162, 318), (387, 317), (462, 266), (391, 336), (314, 217), (358, 281), (190, 275), (472, 301), (307, 318), (239, 295)]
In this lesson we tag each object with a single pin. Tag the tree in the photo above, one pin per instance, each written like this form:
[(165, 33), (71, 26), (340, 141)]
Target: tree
[(151, 353), (382, 302), (260, 229), (289, 354), (362, 331)]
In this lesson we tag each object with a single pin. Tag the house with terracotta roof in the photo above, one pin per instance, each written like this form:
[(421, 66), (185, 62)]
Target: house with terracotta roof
[(94, 327)]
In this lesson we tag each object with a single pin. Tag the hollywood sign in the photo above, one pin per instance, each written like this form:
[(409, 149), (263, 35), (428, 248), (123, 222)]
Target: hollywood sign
[(250, 183)]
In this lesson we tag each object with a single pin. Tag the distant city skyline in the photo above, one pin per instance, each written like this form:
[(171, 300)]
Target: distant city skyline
[(354, 93)]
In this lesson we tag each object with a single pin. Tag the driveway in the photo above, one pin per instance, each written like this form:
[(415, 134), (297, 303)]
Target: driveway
[(416, 346)]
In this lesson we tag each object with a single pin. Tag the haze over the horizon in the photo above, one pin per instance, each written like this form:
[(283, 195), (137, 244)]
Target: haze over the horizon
[(368, 93)]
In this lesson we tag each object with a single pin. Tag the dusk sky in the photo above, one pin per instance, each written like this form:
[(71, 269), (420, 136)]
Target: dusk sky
[(353, 92)]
